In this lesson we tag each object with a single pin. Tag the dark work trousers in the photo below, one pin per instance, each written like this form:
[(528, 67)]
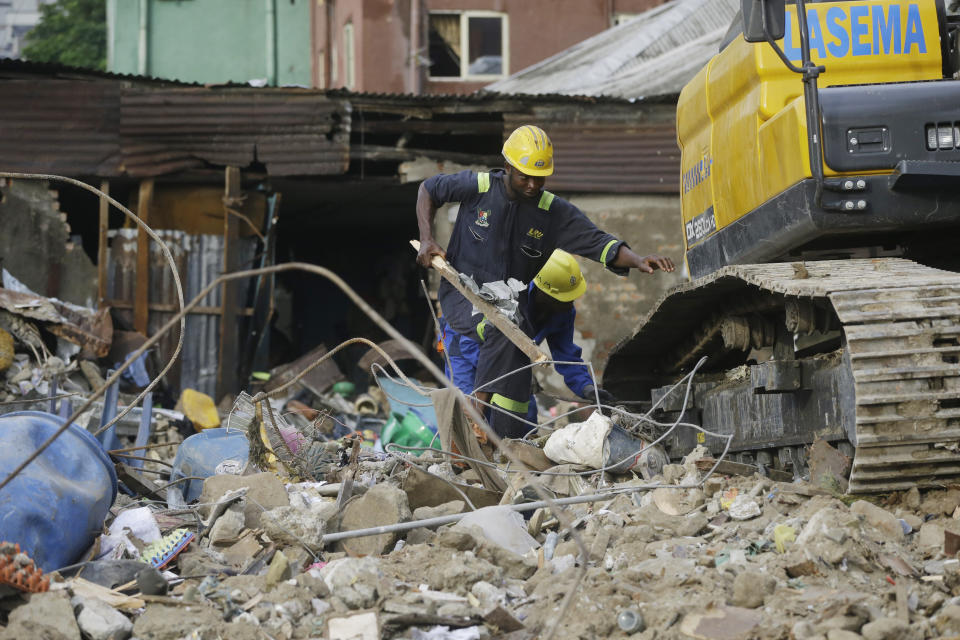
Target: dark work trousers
[(497, 358)]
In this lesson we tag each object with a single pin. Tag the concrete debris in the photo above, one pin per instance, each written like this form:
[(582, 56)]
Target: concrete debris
[(459, 550), (99, 621)]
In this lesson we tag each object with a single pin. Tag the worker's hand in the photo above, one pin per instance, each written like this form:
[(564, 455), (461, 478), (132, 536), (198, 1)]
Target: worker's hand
[(428, 249), (605, 396), (649, 264)]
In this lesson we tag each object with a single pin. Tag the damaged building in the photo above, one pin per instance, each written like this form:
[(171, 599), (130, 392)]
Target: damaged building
[(235, 177)]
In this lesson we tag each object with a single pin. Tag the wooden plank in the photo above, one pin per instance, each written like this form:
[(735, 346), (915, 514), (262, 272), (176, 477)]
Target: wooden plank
[(227, 376), (102, 245), (730, 468), (500, 321), (173, 308), (141, 312)]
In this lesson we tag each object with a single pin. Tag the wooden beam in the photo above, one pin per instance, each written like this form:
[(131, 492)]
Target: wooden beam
[(227, 381), (102, 245), (500, 321), (173, 308), (141, 295), (383, 153)]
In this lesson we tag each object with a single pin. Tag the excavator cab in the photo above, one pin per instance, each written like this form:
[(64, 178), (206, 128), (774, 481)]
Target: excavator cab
[(876, 175)]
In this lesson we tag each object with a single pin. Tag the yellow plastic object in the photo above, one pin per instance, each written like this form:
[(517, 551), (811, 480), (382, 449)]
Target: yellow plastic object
[(741, 123), (529, 149), (6, 350), (200, 409), (561, 277), (728, 497), (783, 534)]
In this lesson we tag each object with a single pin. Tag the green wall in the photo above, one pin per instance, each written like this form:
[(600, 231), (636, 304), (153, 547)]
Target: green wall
[(211, 41)]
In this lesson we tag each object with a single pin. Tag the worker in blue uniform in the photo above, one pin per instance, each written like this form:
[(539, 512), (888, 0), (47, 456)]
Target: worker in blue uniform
[(507, 227), (547, 312)]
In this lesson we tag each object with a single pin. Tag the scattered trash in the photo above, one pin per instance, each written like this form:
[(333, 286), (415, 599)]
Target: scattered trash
[(783, 535), (630, 621), (199, 408)]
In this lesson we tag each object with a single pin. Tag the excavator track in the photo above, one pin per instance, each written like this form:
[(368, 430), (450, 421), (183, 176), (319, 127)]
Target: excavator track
[(899, 331)]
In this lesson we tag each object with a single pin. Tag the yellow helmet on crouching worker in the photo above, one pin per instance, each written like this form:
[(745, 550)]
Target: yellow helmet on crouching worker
[(561, 278), (529, 150)]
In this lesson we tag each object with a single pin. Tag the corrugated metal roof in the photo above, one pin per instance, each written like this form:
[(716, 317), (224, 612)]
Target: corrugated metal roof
[(655, 53), (292, 132), (612, 157), (66, 71), (60, 126)]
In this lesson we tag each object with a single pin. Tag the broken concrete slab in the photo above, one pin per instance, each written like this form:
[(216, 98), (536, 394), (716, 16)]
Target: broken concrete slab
[(751, 587), (720, 623), (295, 527), (45, 615), (445, 509), (264, 491), (880, 518), (100, 621), (384, 504), (355, 581)]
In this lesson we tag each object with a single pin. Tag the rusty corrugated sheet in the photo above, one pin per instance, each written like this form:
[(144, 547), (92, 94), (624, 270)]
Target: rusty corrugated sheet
[(610, 157), (199, 260), (60, 126), (291, 132)]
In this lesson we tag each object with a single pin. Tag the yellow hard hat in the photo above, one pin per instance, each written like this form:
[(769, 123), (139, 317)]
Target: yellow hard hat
[(561, 278), (529, 149)]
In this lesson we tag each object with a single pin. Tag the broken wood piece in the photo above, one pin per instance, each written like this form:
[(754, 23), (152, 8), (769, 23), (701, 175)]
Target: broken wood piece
[(730, 468), (951, 543), (529, 454), (112, 597), (500, 321)]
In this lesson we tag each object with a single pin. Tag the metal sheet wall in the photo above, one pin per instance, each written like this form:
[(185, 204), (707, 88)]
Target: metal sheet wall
[(199, 259)]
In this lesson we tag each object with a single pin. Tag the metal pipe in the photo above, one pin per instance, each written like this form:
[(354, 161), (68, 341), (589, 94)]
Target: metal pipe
[(271, 25), (440, 520), (143, 51)]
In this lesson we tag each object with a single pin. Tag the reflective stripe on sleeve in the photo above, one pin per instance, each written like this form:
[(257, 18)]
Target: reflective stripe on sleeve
[(606, 249), (483, 182)]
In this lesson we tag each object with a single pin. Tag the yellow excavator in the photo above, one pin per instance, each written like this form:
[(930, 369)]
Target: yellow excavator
[(820, 197)]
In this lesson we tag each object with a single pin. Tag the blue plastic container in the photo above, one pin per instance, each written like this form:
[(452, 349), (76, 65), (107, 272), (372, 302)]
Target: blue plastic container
[(404, 399), (56, 506), (202, 454)]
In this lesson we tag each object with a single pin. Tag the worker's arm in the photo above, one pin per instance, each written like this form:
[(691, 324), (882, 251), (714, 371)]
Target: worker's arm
[(581, 237), (627, 259), (426, 212)]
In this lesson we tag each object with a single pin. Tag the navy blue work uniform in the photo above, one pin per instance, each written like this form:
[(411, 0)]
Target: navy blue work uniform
[(556, 329), (496, 238)]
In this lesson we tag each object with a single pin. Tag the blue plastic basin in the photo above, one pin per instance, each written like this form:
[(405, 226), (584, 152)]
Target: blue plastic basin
[(56, 506)]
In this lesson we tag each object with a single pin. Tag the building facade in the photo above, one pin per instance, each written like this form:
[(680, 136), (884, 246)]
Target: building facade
[(17, 18), (448, 46), (380, 46), (263, 43)]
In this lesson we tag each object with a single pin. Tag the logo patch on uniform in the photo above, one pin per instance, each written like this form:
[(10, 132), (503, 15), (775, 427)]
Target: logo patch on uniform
[(483, 218), (535, 233)]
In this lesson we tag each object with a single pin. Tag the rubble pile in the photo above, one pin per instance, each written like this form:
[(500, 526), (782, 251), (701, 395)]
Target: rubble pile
[(310, 509), (722, 557)]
